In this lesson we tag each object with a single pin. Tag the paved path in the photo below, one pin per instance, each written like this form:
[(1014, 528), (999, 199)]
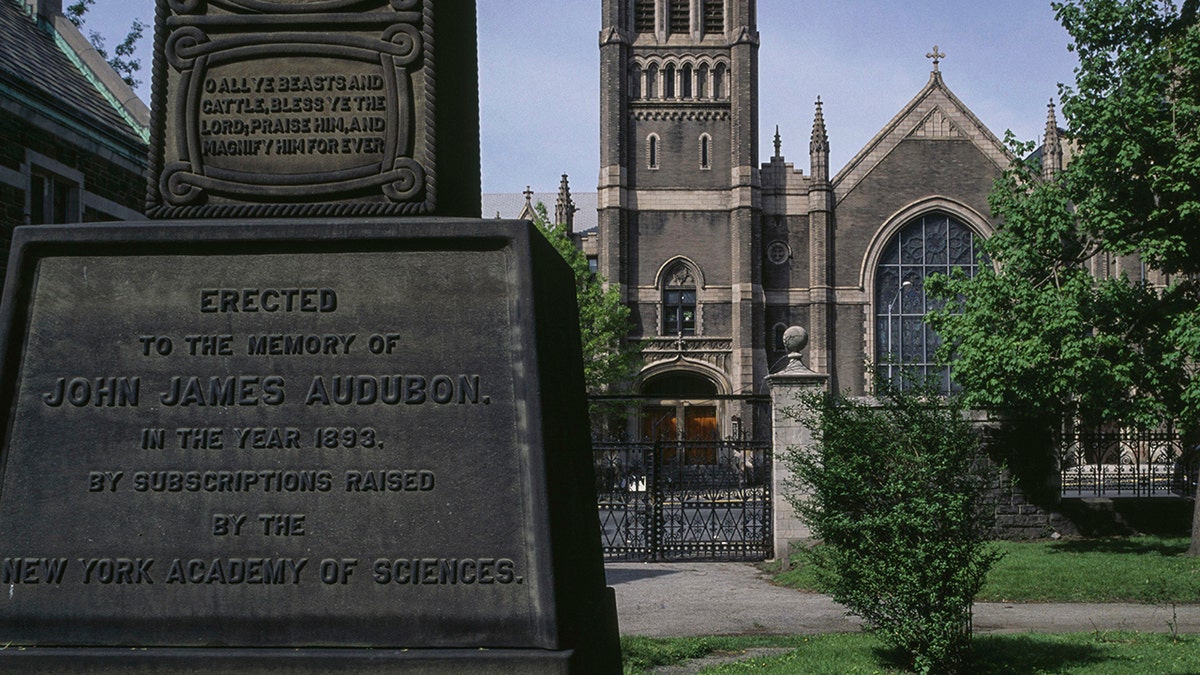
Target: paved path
[(680, 599)]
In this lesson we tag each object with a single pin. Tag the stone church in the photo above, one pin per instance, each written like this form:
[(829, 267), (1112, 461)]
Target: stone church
[(717, 252)]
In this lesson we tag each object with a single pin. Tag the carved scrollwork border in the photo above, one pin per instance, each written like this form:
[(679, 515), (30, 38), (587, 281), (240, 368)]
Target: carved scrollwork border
[(181, 181)]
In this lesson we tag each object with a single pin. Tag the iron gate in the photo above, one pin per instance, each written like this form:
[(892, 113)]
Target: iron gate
[(1128, 463), (684, 500)]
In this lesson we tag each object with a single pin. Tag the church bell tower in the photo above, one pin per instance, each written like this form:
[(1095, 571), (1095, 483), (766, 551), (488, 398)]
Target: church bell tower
[(678, 188)]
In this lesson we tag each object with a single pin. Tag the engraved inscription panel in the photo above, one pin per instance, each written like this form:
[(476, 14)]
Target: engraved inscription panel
[(263, 106), (271, 449)]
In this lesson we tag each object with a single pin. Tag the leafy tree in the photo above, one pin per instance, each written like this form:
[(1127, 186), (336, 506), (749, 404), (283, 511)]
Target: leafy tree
[(122, 60), (1046, 339), (893, 493), (608, 357)]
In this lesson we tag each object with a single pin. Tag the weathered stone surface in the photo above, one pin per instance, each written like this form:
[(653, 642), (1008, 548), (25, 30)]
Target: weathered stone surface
[(277, 108), (297, 435)]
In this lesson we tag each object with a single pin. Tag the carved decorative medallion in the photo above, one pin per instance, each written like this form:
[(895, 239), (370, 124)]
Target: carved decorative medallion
[(778, 252), (296, 107)]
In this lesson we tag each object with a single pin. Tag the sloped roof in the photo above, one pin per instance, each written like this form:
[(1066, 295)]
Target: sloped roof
[(36, 66), (935, 113)]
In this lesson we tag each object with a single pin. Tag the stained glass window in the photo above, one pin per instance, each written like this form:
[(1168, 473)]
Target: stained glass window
[(932, 244)]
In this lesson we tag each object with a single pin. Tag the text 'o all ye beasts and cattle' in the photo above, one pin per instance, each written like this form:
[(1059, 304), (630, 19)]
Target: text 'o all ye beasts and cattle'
[(293, 115)]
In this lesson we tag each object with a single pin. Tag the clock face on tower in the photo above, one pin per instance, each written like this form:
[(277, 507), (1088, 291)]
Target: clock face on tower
[(778, 252)]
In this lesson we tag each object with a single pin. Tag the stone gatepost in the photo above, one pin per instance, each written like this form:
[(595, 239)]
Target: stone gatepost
[(787, 388)]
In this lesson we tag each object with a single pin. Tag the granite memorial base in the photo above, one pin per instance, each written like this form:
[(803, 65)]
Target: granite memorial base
[(296, 446)]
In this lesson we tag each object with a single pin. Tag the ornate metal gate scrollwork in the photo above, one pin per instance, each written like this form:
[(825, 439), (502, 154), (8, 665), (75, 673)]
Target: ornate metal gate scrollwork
[(684, 500), (1128, 463)]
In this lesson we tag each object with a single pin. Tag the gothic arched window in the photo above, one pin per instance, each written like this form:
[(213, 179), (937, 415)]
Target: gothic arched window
[(705, 151), (651, 82), (652, 151), (669, 82), (719, 91), (679, 301), (702, 82), (931, 244), (687, 80)]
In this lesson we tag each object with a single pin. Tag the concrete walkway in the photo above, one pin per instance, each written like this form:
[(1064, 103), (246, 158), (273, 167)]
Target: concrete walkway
[(681, 599)]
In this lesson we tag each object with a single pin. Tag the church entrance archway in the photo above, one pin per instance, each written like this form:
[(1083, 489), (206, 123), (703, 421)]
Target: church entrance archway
[(683, 492), (680, 405)]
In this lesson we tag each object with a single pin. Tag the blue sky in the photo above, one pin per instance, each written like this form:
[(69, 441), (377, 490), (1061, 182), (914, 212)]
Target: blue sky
[(539, 74)]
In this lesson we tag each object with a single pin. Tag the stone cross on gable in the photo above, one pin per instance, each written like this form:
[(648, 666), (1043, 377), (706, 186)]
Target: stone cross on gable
[(937, 57)]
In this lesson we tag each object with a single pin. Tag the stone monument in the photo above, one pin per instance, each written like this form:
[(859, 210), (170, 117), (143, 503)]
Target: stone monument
[(298, 424)]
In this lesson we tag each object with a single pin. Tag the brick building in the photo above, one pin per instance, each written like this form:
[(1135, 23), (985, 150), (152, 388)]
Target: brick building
[(717, 252), (73, 135)]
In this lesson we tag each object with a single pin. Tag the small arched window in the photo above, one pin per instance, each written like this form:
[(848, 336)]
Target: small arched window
[(777, 335), (705, 151), (652, 151)]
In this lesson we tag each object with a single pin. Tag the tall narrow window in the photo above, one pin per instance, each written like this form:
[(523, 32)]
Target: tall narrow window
[(651, 82), (680, 16), (718, 88), (643, 16), (705, 151), (652, 147), (702, 82), (904, 344), (714, 17), (669, 82), (635, 82), (679, 301), (687, 76)]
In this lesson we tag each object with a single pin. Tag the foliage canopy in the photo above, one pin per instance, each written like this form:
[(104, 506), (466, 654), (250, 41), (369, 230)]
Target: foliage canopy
[(122, 60), (1071, 327), (609, 358)]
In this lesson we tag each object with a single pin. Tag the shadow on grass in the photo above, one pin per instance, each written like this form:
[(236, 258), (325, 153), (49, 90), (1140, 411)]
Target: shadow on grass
[(1132, 546), (1012, 655), (1029, 654)]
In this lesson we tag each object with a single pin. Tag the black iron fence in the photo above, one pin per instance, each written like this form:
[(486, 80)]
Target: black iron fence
[(1128, 463), (684, 500)]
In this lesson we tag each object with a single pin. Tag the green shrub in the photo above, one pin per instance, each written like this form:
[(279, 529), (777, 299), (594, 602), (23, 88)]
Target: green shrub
[(892, 491)]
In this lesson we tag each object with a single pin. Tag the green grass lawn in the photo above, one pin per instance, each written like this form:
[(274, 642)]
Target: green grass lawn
[(835, 654), (1136, 569)]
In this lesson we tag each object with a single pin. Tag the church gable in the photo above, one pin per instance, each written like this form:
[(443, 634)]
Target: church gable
[(935, 114), (936, 125)]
